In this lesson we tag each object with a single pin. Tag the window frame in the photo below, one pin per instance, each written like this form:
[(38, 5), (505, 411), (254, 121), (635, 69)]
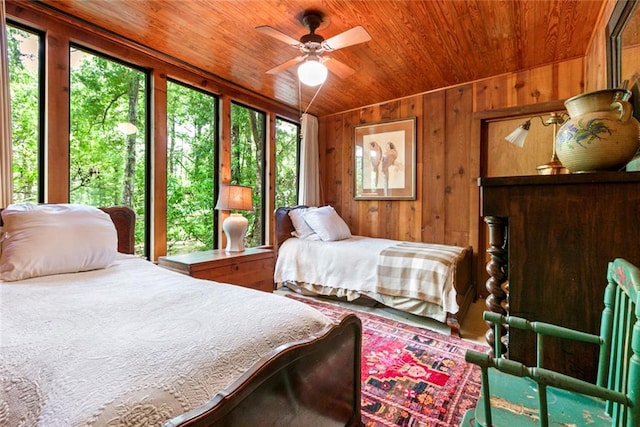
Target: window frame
[(265, 183), (216, 150), (42, 61), (298, 146), (148, 177)]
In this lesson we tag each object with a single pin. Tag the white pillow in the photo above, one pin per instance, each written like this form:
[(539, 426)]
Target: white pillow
[(52, 239), (302, 230), (326, 222)]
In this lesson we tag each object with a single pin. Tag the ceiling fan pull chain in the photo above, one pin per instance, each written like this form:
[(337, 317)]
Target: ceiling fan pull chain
[(312, 99), (300, 99)]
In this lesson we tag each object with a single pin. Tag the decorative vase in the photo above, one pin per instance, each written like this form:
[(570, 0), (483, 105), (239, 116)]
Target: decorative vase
[(601, 133)]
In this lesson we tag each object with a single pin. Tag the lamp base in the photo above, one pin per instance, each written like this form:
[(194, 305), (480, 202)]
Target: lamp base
[(235, 228), (554, 167)]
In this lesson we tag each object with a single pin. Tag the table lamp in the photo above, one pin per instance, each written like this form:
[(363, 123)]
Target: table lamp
[(235, 198)]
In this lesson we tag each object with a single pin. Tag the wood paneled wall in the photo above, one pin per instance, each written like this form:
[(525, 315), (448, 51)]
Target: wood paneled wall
[(596, 63), (449, 155)]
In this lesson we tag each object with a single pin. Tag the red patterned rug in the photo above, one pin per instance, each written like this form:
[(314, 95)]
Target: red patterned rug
[(410, 376)]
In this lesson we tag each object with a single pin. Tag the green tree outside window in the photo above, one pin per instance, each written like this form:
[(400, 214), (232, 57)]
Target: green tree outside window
[(107, 141), (287, 160), (25, 83), (191, 169), (248, 163)]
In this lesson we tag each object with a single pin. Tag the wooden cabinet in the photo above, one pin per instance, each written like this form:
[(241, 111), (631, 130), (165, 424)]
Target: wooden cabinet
[(550, 240), (252, 268)]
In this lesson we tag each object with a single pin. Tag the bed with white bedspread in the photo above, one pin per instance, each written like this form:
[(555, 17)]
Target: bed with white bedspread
[(425, 279), (137, 345)]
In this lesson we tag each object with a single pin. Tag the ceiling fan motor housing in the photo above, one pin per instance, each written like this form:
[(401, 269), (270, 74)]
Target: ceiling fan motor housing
[(312, 20), (312, 41), (311, 38)]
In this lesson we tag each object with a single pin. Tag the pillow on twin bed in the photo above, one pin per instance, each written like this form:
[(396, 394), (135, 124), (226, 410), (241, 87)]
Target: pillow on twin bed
[(327, 224), (302, 229), (41, 240)]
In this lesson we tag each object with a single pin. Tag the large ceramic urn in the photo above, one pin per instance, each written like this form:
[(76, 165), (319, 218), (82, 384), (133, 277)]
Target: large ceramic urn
[(601, 133)]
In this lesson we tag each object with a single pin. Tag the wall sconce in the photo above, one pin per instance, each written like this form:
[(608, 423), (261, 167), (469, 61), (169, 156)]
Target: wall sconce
[(518, 136), (235, 198), (312, 72)]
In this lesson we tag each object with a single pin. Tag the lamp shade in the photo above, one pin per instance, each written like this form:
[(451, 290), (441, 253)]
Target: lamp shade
[(518, 136), (234, 198), (312, 72)]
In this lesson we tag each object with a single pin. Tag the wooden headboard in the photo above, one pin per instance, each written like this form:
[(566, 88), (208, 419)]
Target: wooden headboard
[(284, 226), (125, 221)]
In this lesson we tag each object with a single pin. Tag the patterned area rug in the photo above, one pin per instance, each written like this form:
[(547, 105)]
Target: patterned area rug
[(410, 376)]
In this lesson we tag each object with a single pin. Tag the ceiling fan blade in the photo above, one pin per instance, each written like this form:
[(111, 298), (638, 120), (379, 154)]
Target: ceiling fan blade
[(348, 38), (338, 68), (272, 32), (285, 65)]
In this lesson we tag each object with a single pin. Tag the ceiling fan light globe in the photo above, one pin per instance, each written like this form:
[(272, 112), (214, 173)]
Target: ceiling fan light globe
[(312, 73)]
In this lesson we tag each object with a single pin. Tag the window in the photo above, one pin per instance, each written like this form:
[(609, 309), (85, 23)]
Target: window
[(248, 164), (108, 147), (107, 141), (191, 169), (287, 161), (25, 79)]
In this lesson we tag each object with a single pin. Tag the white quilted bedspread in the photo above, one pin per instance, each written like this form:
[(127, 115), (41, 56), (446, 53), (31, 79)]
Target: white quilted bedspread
[(132, 345)]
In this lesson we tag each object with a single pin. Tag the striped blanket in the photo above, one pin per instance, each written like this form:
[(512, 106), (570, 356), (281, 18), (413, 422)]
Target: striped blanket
[(417, 270)]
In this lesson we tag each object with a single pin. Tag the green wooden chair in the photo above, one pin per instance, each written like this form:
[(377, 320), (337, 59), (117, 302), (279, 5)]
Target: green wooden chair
[(515, 395)]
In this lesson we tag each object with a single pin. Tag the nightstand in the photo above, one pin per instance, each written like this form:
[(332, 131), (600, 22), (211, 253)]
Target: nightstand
[(252, 268)]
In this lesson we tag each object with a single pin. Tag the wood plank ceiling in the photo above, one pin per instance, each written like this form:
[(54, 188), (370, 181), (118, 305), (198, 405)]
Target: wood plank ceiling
[(415, 46)]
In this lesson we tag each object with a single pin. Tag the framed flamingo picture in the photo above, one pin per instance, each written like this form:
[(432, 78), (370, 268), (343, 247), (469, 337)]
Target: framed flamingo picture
[(385, 160)]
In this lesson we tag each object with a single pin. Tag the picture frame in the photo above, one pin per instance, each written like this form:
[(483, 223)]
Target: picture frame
[(385, 160)]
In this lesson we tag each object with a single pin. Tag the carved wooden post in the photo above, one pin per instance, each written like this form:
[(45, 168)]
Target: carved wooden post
[(497, 284)]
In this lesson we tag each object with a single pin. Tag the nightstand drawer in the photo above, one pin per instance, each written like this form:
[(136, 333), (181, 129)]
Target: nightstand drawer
[(255, 274), (252, 268)]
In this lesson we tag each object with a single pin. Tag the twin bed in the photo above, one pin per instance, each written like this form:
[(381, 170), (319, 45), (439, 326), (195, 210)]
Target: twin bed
[(423, 279), (134, 344)]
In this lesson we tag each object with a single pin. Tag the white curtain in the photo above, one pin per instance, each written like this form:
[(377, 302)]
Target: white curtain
[(309, 191), (6, 178)]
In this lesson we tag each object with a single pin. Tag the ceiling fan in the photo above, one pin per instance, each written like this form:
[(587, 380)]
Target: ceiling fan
[(313, 45)]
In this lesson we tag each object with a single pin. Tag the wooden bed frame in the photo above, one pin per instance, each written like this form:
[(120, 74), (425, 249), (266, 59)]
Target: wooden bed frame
[(311, 382), (125, 221), (463, 275)]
